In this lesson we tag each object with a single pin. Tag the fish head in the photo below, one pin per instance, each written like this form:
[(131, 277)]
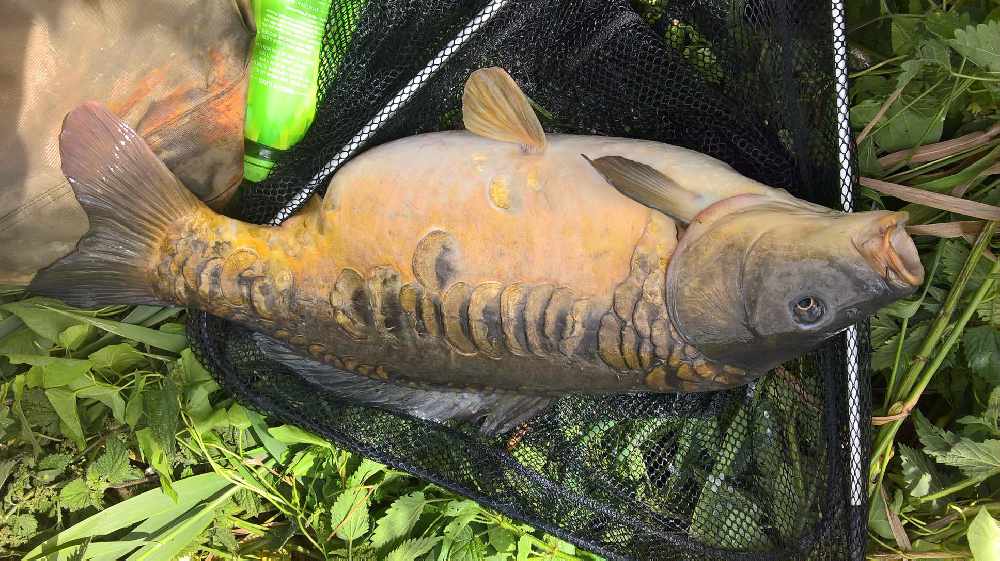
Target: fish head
[(756, 281)]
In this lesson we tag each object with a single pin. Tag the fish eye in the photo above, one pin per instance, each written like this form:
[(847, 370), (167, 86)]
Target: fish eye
[(807, 310)]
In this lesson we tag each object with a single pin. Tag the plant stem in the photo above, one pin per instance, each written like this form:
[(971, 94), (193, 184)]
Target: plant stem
[(957, 487), (920, 372)]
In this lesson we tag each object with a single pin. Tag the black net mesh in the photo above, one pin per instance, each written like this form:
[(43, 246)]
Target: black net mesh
[(768, 471)]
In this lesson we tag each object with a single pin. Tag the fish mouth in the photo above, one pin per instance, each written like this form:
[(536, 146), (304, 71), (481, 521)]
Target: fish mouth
[(891, 252)]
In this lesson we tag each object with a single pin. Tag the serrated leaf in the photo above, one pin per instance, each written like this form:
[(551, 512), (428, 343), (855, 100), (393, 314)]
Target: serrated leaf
[(975, 459), (349, 514), (982, 351), (980, 44), (113, 465), (23, 525), (936, 441), (163, 415), (57, 462), (365, 470), (984, 537), (933, 51), (411, 549), (64, 404), (121, 358), (75, 495), (989, 310), (907, 126), (885, 355), (399, 519)]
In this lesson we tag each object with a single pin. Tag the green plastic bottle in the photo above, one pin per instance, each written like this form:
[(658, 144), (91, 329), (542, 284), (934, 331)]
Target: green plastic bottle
[(281, 95)]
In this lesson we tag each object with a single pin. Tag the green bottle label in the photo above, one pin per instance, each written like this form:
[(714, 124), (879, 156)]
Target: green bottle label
[(281, 95)]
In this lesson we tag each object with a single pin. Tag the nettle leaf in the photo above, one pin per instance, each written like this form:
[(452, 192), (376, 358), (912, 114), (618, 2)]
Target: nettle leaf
[(113, 465), (911, 68), (23, 525), (399, 519), (980, 44), (410, 550), (982, 351), (155, 456), (984, 537), (885, 355), (989, 310), (906, 127), (349, 514), (75, 495), (163, 415), (975, 459), (943, 24)]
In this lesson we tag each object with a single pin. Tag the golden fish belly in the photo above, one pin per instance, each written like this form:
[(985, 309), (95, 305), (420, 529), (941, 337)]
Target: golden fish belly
[(455, 261)]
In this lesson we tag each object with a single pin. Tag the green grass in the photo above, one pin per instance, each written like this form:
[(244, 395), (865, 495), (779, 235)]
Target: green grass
[(116, 442)]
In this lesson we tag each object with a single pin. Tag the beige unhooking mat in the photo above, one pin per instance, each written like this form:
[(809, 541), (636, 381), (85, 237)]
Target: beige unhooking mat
[(176, 70)]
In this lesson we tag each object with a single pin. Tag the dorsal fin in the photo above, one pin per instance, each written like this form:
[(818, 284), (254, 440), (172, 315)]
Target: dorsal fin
[(648, 186), (495, 107)]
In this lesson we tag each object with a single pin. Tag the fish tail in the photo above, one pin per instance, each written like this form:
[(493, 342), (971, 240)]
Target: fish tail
[(132, 201)]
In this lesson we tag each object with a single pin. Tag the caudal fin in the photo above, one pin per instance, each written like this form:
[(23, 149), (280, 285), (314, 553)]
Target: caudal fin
[(132, 201)]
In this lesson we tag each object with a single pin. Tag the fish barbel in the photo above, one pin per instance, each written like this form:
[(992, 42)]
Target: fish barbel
[(482, 272)]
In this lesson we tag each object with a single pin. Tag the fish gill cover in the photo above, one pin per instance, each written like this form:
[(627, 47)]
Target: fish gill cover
[(767, 471)]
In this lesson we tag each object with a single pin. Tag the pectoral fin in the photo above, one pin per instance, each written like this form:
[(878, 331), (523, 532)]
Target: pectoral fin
[(494, 106), (648, 186)]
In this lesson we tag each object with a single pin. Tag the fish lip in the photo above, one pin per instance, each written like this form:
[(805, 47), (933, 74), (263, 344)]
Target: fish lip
[(890, 251)]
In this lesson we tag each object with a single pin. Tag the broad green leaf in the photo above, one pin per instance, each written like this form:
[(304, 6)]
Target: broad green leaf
[(885, 355), (725, 517), (933, 51), (989, 310), (190, 491), (107, 394), (984, 537), (906, 127), (133, 407), (75, 335), (274, 447), (180, 534), (980, 44), (410, 550), (399, 519), (42, 316), (121, 358), (349, 514), (459, 541), (157, 459), (193, 370), (159, 339), (75, 495), (24, 342), (290, 434), (56, 371), (911, 68), (502, 539), (903, 32), (982, 350), (64, 403), (919, 473)]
